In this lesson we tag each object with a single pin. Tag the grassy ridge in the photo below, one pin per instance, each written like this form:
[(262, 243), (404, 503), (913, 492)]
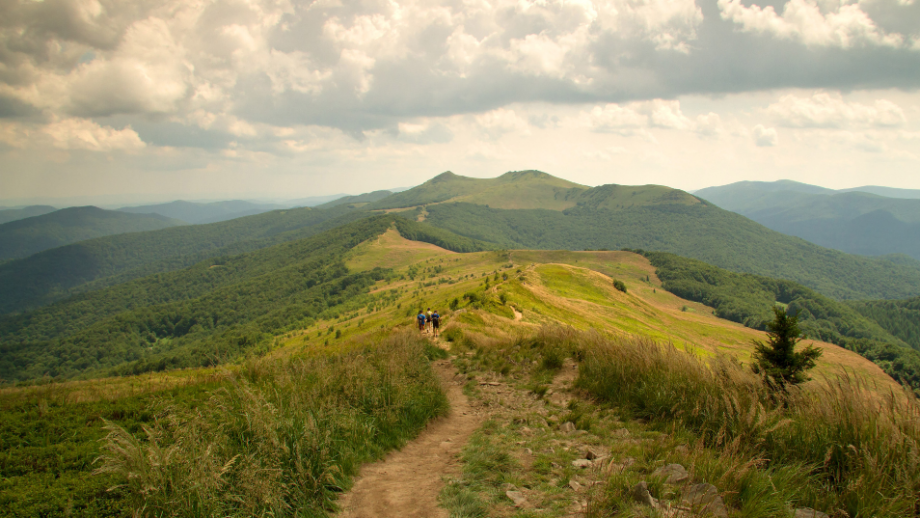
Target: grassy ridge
[(862, 450), (747, 299), (272, 438), (831, 445), (283, 438), (700, 231)]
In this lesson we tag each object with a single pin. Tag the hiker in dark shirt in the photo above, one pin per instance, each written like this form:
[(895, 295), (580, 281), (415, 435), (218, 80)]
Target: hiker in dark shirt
[(436, 323)]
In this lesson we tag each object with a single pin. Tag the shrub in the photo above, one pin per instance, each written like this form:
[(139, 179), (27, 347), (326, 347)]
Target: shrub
[(618, 284)]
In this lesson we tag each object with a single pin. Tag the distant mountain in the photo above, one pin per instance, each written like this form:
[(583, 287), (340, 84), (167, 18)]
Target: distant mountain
[(198, 213), (851, 221), (28, 236), (531, 209), (531, 190), (7, 215), (313, 201), (888, 192), (360, 199)]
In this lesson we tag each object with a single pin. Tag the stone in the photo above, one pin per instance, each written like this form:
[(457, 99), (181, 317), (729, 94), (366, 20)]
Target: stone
[(807, 512), (517, 497), (672, 474), (582, 463), (705, 501), (575, 485), (641, 494), (567, 427)]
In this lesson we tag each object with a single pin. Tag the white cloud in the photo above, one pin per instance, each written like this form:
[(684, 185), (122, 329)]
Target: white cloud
[(802, 20), (830, 110), (75, 133), (637, 117), (496, 123), (765, 137)]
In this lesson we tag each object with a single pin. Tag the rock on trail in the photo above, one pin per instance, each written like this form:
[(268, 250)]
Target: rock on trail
[(406, 483)]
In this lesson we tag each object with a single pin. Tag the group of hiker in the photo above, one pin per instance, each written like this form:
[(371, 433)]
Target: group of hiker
[(429, 322)]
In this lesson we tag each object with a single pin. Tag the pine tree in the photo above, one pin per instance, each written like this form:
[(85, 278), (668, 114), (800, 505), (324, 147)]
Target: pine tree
[(777, 359)]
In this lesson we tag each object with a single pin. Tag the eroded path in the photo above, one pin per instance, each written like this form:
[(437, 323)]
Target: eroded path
[(407, 482)]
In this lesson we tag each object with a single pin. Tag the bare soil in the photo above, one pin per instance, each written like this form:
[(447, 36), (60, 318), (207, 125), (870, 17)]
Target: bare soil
[(406, 483)]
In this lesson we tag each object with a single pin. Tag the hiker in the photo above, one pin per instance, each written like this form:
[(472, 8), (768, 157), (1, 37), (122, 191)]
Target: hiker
[(435, 323), (429, 320), (421, 321)]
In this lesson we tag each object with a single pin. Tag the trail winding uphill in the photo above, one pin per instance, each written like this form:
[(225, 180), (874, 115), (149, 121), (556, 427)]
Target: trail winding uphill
[(407, 482)]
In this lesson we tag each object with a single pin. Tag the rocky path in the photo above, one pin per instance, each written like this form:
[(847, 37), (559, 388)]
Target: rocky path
[(407, 482)]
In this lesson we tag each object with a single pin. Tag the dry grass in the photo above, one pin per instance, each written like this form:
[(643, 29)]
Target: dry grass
[(282, 437)]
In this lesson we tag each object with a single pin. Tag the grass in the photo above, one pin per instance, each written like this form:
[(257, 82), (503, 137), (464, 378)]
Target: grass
[(282, 438), (863, 448), (838, 445)]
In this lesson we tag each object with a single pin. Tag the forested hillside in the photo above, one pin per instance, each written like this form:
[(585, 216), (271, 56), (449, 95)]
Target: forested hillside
[(701, 231), (748, 299), (55, 274), (24, 237), (202, 315), (901, 318)]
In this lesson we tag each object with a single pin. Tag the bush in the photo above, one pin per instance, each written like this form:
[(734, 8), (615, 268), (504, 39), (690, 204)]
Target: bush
[(618, 284)]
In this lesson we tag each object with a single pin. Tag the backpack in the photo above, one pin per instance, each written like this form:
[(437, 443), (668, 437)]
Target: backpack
[(421, 317), (436, 317)]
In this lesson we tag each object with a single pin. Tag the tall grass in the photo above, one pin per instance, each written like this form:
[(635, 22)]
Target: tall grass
[(862, 446), (282, 437)]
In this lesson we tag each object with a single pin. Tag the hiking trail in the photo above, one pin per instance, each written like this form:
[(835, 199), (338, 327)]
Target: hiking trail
[(406, 483)]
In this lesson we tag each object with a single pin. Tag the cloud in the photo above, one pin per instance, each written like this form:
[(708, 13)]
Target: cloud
[(374, 65), (765, 137), (802, 20), (75, 133), (496, 123), (636, 118), (830, 110)]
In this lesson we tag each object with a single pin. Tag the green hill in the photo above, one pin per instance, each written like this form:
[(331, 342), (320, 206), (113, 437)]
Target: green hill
[(700, 231), (852, 221), (57, 273), (28, 236), (515, 190), (203, 314), (7, 215), (359, 199)]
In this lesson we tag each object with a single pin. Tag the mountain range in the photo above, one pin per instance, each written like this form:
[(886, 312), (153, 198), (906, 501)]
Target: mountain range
[(856, 221), (27, 236)]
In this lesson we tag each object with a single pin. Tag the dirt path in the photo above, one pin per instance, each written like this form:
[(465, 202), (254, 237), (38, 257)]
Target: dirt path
[(407, 482)]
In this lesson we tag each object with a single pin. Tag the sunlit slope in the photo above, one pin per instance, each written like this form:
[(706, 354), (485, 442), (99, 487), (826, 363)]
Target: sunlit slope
[(515, 190), (537, 288), (532, 190)]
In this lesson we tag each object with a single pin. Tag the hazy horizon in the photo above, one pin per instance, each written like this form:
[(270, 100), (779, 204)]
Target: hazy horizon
[(132, 200)]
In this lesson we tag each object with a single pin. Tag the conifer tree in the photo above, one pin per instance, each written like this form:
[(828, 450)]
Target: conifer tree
[(777, 360)]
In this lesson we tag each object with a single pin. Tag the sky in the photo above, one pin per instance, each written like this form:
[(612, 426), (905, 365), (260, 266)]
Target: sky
[(154, 100)]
